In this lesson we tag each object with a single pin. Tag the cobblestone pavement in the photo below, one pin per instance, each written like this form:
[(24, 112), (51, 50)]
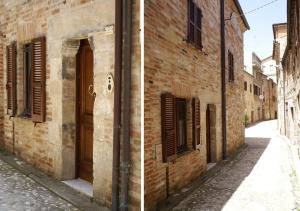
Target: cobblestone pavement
[(20, 193), (261, 178)]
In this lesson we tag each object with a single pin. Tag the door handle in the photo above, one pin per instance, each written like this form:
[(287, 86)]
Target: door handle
[(91, 91)]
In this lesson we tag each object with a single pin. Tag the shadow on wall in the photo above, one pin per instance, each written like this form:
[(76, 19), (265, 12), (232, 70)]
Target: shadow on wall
[(216, 187)]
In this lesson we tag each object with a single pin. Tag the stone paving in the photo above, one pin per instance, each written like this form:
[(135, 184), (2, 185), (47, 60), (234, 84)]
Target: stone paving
[(20, 193), (261, 178)]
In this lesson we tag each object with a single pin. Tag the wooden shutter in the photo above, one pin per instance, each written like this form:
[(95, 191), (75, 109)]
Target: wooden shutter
[(191, 21), (230, 66), (194, 24), (198, 32), (196, 122), (168, 126), (38, 79), (11, 56)]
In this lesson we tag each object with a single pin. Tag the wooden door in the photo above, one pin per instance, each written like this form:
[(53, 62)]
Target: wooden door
[(252, 116), (85, 106), (208, 135)]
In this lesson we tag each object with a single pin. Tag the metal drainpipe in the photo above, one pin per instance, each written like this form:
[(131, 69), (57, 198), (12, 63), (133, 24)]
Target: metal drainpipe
[(127, 55), (284, 106), (13, 123), (223, 79), (117, 104)]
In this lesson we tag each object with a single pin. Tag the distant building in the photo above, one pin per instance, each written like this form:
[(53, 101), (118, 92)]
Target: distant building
[(279, 46), (269, 68), (260, 93)]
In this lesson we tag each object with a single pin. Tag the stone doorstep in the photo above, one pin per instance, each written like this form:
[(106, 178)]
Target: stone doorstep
[(180, 195), (60, 189)]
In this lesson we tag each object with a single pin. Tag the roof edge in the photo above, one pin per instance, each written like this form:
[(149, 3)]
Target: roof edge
[(275, 25), (237, 3)]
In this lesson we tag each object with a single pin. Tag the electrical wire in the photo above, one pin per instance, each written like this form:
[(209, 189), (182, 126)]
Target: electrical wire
[(258, 8)]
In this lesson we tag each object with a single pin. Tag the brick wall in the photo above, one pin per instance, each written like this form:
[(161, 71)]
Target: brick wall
[(234, 90), (252, 102), (249, 98), (51, 145), (172, 65)]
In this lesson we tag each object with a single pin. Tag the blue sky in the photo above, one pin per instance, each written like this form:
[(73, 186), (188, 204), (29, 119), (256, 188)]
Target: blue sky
[(260, 37)]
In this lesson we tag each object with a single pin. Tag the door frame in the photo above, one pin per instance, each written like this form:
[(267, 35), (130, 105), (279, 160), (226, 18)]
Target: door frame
[(77, 111)]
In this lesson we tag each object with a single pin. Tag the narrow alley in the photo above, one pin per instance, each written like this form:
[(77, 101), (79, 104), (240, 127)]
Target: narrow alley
[(261, 177)]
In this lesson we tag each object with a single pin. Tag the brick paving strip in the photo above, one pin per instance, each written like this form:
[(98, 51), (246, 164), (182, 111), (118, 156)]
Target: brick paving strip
[(23, 187), (260, 177)]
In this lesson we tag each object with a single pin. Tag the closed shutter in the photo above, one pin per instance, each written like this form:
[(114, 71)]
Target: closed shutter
[(194, 24), (231, 66), (199, 28), (168, 126), (196, 122), (38, 79), (11, 56)]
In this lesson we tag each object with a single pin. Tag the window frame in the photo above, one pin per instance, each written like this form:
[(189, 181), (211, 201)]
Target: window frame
[(27, 83), (183, 147), (195, 37), (230, 67)]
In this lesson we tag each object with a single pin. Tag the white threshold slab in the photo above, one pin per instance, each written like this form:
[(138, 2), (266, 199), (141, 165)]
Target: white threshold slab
[(210, 165), (81, 186)]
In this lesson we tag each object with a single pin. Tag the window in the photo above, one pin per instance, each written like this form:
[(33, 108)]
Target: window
[(194, 24), (34, 79), (245, 85), (27, 80), (230, 66), (181, 125), (250, 88), (256, 90), (174, 125)]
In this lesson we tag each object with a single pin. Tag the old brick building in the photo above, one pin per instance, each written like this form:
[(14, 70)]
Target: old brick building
[(58, 66), (257, 86), (290, 74), (194, 99), (262, 103), (250, 106), (269, 67), (260, 93), (279, 46)]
